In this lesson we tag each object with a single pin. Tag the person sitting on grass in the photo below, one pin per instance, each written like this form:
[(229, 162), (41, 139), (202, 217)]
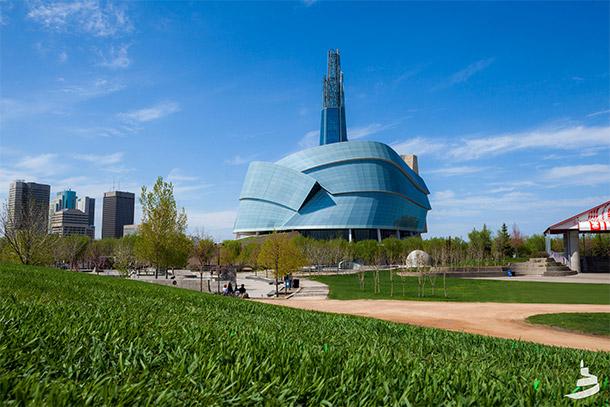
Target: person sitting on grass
[(242, 290), (230, 289), (225, 290)]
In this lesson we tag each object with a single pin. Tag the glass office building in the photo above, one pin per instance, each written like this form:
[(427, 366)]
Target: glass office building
[(355, 190)]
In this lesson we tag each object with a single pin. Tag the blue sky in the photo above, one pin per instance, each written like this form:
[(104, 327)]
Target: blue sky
[(506, 104)]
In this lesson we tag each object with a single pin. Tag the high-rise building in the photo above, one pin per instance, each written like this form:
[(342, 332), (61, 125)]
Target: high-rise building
[(71, 222), (62, 200), (118, 211), (333, 128), (87, 205), (28, 204)]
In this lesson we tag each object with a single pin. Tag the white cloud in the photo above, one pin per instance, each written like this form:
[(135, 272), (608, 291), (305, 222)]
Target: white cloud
[(218, 224), (464, 74), (95, 88), (458, 170), (310, 139), (86, 16), (418, 146), (62, 57), (588, 174), (239, 160), (601, 112), (364, 131), (39, 163), (117, 58), (108, 159), (176, 175), (151, 113), (568, 138)]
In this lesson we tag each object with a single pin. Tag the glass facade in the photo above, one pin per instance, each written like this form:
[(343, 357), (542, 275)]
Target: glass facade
[(328, 190), (351, 189)]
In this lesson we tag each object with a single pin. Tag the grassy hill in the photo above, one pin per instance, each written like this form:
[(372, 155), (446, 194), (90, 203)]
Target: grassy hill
[(347, 287), (70, 338)]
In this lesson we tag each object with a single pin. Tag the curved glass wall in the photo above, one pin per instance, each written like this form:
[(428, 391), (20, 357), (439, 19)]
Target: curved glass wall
[(339, 189)]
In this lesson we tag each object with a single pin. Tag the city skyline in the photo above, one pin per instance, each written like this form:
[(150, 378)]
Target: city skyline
[(509, 118)]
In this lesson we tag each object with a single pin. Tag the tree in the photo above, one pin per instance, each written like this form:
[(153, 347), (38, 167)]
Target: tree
[(366, 250), (534, 244), (162, 241), (74, 247), (204, 249), (124, 254), (99, 251), (229, 252), (280, 253), (26, 233), (502, 243), (516, 240), (393, 248), (249, 254), (479, 243)]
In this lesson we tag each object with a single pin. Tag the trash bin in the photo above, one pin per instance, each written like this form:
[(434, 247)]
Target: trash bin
[(295, 283)]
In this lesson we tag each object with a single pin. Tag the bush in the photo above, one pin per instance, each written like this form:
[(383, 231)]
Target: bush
[(538, 254)]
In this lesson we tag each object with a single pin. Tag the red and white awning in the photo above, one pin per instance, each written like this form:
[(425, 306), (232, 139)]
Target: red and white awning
[(594, 220)]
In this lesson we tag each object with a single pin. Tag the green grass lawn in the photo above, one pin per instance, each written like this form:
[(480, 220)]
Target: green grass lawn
[(596, 323), (347, 287), (75, 339)]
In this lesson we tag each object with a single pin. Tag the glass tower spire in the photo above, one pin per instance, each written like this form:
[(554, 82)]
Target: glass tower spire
[(332, 127)]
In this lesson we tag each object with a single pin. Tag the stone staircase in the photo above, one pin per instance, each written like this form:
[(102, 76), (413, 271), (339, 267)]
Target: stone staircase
[(543, 266)]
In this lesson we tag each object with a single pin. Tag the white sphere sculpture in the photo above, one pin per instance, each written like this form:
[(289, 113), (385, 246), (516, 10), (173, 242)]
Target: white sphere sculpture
[(418, 258)]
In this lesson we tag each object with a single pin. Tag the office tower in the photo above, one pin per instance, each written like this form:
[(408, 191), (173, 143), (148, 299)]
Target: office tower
[(117, 211), (62, 200), (333, 128), (71, 222), (87, 205), (28, 204)]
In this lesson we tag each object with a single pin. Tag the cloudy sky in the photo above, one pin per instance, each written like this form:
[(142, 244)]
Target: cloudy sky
[(506, 104)]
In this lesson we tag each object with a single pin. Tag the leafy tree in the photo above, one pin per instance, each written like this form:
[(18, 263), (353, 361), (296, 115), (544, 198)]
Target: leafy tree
[(26, 233), (600, 245), (100, 250), (280, 253), (162, 241), (71, 249), (204, 249), (479, 243), (393, 248), (124, 254), (516, 240), (249, 254), (534, 244), (229, 252), (366, 250)]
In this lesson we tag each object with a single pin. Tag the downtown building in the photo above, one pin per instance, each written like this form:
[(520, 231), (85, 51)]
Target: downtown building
[(118, 211), (28, 205), (71, 215), (71, 221), (356, 190)]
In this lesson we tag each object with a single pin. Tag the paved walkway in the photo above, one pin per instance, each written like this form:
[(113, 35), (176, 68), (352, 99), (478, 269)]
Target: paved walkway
[(491, 319), (310, 290)]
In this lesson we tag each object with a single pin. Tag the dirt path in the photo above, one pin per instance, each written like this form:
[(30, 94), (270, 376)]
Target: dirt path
[(492, 319)]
